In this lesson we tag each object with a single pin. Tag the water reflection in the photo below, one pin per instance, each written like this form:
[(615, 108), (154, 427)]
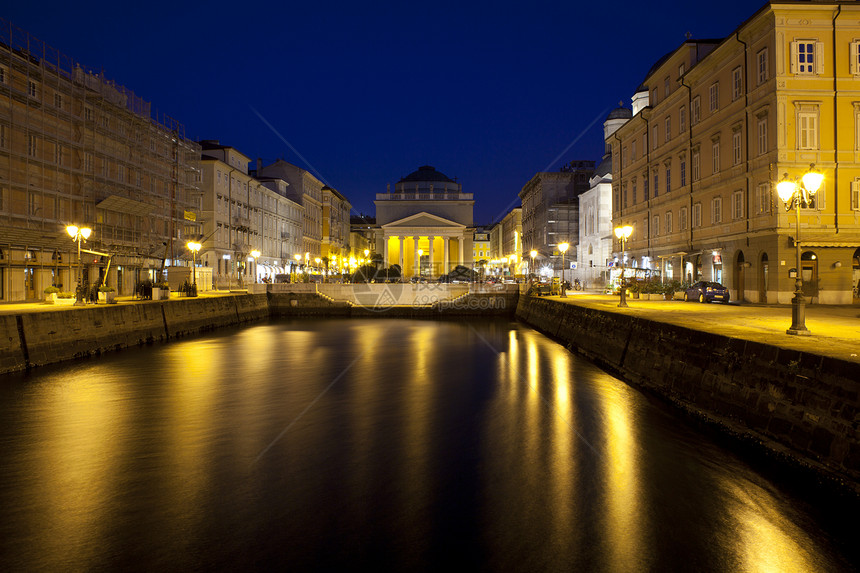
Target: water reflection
[(399, 444)]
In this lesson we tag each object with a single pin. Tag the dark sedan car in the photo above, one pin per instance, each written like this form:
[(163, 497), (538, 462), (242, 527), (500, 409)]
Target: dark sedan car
[(705, 291)]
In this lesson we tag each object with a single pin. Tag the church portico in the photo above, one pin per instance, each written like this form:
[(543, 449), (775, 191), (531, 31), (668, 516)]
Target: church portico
[(425, 252)]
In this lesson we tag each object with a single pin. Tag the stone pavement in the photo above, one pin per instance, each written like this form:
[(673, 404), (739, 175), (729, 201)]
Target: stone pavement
[(835, 330)]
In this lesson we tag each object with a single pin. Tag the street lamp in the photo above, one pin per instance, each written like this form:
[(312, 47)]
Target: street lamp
[(79, 234), (255, 253), (794, 195), (563, 248), (194, 248), (623, 233), (532, 254)]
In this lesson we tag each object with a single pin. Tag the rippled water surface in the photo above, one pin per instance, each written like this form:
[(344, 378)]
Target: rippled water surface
[(397, 444)]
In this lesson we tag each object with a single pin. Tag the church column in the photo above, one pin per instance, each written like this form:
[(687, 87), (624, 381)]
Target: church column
[(446, 262), (416, 260), (460, 241), (430, 256), (402, 239), (385, 263)]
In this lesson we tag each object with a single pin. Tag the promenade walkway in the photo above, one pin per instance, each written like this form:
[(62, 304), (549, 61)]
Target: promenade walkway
[(835, 330)]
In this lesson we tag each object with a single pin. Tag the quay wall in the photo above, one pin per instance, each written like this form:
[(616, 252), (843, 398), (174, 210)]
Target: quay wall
[(45, 337), (800, 405)]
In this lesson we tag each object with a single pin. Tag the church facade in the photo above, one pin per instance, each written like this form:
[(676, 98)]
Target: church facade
[(425, 225)]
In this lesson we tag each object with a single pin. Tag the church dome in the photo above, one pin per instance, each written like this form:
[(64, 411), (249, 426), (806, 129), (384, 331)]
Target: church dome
[(620, 113), (427, 173)]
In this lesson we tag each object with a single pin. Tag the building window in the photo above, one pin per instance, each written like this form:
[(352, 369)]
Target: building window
[(696, 163), (737, 205), (88, 113), (697, 215), (696, 105), (32, 89), (633, 202), (31, 145), (3, 75), (656, 182), (633, 150), (855, 195), (682, 219), (762, 135), (88, 163), (668, 222), (654, 138), (668, 128), (624, 194), (807, 129), (681, 70), (736, 147), (655, 226), (120, 173), (806, 57), (668, 177), (715, 156), (714, 97), (762, 198), (2, 135), (762, 71), (737, 85), (623, 159), (666, 87), (58, 101), (683, 170), (645, 186), (716, 210), (58, 154), (682, 119)]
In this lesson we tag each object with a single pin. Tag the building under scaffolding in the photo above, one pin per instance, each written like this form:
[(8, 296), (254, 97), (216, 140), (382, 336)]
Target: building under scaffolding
[(76, 148)]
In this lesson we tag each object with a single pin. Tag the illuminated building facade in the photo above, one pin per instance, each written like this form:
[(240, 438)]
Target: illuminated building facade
[(79, 149), (716, 124)]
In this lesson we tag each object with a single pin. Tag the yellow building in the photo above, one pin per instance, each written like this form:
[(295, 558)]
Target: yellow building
[(76, 148), (716, 124), (335, 224)]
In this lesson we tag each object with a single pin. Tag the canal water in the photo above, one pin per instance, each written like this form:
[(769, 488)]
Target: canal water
[(385, 444)]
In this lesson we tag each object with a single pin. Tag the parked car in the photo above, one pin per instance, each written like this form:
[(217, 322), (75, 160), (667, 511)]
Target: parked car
[(706, 291)]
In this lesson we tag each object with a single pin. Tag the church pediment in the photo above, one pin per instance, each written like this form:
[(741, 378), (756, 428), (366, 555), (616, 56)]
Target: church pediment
[(423, 219)]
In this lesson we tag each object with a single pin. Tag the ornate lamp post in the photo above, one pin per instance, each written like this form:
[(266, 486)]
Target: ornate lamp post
[(194, 248), (623, 233), (79, 234), (795, 194), (255, 253), (563, 247)]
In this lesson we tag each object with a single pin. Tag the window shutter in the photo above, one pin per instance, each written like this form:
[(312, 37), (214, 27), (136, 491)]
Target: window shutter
[(852, 62), (793, 58), (855, 195), (819, 57)]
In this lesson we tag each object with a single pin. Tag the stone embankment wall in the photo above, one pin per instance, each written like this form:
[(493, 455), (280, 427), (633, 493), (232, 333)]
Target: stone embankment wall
[(792, 401), (39, 338)]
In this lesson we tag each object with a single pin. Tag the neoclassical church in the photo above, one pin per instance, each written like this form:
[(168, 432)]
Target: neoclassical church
[(425, 225)]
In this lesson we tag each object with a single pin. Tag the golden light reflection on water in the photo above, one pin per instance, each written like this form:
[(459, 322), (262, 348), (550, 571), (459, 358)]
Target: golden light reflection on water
[(563, 474), (625, 522), (82, 435), (763, 539)]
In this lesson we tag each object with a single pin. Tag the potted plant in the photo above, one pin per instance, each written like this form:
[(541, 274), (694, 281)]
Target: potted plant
[(51, 294), (160, 291), (107, 294), (64, 298)]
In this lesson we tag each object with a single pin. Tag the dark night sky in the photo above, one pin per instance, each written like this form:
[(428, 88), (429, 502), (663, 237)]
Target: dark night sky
[(366, 92)]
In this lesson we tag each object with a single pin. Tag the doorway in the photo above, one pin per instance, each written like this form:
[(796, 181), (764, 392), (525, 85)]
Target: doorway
[(740, 267), (809, 274), (763, 279)]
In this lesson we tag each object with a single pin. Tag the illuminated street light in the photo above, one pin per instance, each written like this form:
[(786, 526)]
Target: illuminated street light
[(563, 247), (796, 193), (194, 248), (255, 253), (79, 234), (532, 254), (623, 233)]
